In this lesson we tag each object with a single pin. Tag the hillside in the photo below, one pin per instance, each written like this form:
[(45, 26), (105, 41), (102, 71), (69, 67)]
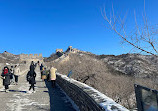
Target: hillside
[(112, 75), (7, 57), (133, 64)]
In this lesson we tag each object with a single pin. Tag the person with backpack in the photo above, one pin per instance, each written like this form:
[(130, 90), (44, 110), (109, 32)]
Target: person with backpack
[(6, 78), (31, 75), (44, 74), (16, 74)]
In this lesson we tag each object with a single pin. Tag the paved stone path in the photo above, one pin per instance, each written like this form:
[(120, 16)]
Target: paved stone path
[(18, 99)]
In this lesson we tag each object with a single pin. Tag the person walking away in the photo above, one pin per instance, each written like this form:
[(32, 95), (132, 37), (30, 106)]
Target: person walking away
[(53, 76), (44, 74), (41, 69), (32, 67), (48, 75), (11, 74), (16, 74), (31, 75), (6, 78), (38, 63)]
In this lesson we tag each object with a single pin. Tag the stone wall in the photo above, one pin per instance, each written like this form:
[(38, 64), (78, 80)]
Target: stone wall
[(86, 97), (62, 59), (31, 57)]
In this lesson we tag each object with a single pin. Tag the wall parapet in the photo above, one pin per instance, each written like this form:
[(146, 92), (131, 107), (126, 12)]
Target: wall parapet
[(86, 97)]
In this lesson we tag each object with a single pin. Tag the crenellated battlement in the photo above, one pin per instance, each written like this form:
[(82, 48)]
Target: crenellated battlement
[(31, 57)]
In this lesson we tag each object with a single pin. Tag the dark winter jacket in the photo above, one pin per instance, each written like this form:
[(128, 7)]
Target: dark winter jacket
[(6, 80), (31, 77), (41, 67), (32, 67)]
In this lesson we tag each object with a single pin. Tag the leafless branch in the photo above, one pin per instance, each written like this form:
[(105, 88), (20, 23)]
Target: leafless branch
[(139, 37)]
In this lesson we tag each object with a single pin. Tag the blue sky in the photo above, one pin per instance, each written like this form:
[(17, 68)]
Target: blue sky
[(41, 26)]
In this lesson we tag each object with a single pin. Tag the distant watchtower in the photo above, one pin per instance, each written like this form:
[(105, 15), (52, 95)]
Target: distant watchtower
[(70, 48), (59, 50)]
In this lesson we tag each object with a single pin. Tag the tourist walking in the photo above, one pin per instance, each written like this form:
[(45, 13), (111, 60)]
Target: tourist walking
[(12, 74), (53, 76), (6, 78), (32, 66), (38, 63), (16, 74), (41, 67), (31, 75), (44, 74)]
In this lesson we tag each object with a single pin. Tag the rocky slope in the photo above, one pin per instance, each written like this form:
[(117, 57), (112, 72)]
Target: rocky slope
[(7, 57), (133, 64), (136, 65)]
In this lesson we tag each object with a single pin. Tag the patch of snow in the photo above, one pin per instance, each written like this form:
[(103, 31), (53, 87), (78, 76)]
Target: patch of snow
[(7, 64)]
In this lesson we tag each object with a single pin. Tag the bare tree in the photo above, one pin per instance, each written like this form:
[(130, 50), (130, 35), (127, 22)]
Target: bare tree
[(141, 37)]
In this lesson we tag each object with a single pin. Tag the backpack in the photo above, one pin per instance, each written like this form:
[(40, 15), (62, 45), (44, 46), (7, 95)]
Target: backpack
[(28, 77)]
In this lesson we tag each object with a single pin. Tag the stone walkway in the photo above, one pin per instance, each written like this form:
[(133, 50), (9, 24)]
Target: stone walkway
[(19, 100)]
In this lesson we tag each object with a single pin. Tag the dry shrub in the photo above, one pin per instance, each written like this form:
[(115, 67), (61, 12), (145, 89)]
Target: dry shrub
[(147, 82)]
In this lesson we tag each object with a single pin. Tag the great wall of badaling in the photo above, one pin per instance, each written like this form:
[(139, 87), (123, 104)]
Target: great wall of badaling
[(87, 97), (63, 56), (70, 49)]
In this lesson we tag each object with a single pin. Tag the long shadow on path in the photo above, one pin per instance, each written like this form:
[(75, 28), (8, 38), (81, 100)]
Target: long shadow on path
[(58, 100)]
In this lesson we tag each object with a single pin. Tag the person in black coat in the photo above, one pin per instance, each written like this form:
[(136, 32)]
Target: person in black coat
[(6, 78), (41, 67), (32, 67), (31, 75)]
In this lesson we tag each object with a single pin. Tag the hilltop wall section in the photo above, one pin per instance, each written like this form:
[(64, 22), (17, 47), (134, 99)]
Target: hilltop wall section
[(72, 50), (64, 56), (31, 57)]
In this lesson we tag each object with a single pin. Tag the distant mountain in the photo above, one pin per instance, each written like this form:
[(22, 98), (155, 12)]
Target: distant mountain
[(136, 65), (133, 64)]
